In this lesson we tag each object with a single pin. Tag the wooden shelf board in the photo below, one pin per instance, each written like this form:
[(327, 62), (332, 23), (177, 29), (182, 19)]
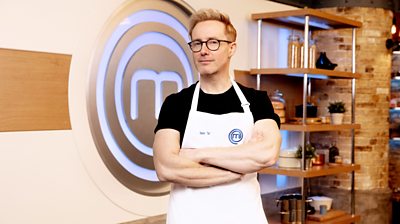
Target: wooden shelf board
[(318, 19), (315, 171), (312, 72), (346, 219), (318, 127)]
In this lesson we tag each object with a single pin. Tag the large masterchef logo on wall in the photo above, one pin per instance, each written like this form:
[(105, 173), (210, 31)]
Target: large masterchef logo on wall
[(142, 58)]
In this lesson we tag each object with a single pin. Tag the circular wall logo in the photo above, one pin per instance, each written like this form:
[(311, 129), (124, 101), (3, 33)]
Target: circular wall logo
[(141, 58), (235, 136)]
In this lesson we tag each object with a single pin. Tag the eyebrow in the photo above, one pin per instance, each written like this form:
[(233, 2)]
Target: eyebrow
[(211, 38)]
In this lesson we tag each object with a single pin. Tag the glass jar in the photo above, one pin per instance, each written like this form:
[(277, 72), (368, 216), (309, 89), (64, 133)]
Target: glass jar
[(312, 50), (301, 57), (293, 51), (277, 98), (279, 104), (312, 54)]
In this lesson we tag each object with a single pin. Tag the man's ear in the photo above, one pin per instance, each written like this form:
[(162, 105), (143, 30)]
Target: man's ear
[(232, 49)]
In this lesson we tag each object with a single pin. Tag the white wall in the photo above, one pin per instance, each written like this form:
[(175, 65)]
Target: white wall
[(44, 174)]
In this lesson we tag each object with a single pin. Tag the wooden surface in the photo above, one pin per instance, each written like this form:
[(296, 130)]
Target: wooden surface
[(318, 19), (159, 219), (345, 219), (328, 216), (315, 171), (319, 127), (33, 91), (318, 73)]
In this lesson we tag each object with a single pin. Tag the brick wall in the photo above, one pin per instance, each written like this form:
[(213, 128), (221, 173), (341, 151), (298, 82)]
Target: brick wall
[(373, 61)]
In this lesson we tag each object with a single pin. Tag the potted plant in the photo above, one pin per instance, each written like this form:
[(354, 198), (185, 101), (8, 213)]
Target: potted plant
[(336, 109), (309, 153)]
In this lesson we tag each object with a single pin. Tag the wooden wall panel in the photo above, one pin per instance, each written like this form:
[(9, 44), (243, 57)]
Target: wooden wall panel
[(33, 90)]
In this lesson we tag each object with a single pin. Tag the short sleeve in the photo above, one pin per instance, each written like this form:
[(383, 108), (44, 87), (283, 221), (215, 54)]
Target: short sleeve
[(169, 114), (261, 107)]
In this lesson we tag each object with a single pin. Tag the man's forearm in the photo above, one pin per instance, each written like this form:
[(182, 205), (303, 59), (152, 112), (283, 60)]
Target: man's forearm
[(204, 177), (183, 171)]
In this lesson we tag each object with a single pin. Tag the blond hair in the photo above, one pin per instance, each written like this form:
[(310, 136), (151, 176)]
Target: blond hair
[(213, 14)]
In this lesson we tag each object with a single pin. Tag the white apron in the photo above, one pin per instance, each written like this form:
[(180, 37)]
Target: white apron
[(233, 203)]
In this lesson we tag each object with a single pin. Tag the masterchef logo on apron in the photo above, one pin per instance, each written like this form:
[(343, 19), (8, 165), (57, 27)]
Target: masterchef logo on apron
[(235, 136), (141, 57)]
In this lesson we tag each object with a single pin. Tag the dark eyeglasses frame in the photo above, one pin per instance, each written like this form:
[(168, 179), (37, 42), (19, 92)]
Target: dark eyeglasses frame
[(207, 42)]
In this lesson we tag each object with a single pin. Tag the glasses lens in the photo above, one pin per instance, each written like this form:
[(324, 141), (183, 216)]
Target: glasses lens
[(213, 45), (195, 46)]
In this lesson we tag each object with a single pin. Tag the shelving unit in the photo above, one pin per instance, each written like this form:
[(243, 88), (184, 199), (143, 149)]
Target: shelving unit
[(310, 19)]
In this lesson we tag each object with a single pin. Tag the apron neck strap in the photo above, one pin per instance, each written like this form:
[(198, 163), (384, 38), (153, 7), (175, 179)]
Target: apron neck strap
[(245, 104), (195, 98)]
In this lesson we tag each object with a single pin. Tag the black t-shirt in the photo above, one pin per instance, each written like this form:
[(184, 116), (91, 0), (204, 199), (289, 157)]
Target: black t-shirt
[(175, 109)]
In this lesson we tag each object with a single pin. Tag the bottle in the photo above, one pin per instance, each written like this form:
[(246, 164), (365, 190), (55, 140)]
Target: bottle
[(312, 54), (293, 51)]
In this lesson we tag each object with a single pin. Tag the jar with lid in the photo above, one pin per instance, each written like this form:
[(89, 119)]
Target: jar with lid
[(312, 49), (312, 54), (293, 51), (279, 104), (301, 57)]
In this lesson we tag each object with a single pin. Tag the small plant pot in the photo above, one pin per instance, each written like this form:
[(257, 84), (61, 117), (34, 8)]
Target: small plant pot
[(337, 118), (308, 163)]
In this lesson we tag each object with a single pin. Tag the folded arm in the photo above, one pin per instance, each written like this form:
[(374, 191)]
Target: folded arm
[(260, 151), (173, 167)]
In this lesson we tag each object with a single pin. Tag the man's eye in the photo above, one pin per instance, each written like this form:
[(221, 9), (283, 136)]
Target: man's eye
[(196, 44), (213, 42)]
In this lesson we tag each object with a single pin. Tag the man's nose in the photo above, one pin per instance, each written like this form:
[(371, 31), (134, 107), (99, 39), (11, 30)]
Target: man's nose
[(204, 48)]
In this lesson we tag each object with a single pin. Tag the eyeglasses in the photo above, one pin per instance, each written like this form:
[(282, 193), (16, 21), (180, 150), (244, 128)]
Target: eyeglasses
[(212, 44)]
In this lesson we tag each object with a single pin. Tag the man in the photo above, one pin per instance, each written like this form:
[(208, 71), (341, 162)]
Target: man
[(213, 136)]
